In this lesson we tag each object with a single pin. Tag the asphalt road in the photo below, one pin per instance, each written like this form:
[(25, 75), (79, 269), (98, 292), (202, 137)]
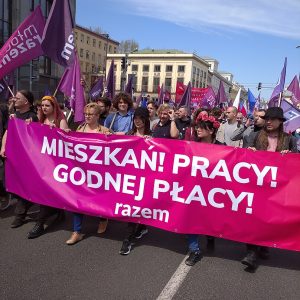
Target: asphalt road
[(46, 268)]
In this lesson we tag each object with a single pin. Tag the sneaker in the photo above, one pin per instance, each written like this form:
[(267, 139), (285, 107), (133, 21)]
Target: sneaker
[(194, 257), (17, 222), (75, 238), (250, 260), (36, 231), (102, 226), (263, 253), (140, 233), (126, 247)]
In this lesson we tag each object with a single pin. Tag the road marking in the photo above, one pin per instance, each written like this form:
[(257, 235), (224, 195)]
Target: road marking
[(175, 282)]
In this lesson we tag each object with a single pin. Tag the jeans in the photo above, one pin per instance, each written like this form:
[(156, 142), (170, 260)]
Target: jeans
[(193, 242), (77, 222)]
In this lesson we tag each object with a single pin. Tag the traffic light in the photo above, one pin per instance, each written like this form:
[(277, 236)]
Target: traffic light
[(123, 63), (259, 86)]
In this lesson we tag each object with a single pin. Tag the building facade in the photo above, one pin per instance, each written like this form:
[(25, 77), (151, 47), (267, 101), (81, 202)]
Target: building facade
[(41, 74), (93, 48), (152, 68)]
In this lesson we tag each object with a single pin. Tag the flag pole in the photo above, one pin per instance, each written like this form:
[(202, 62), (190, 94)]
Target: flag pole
[(9, 88), (54, 94), (280, 99)]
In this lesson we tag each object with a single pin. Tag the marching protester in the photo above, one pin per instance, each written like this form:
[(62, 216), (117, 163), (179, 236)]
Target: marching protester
[(104, 105), (205, 129), (243, 132), (183, 121), (152, 108), (23, 105), (270, 138), (166, 127), (91, 125), (190, 131), (49, 114), (226, 130), (121, 121), (141, 128)]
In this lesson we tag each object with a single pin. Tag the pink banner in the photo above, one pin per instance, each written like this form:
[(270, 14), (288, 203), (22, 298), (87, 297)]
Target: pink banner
[(24, 44), (180, 186)]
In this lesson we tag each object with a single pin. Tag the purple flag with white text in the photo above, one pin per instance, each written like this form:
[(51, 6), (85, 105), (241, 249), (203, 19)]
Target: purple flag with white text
[(24, 44), (292, 115), (58, 36), (279, 87), (97, 89), (209, 99)]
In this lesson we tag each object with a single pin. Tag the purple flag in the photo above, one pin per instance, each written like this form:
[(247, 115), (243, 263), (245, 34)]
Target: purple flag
[(129, 85), (97, 89), (292, 115), (295, 90), (24, 44), (274, 100), (161, 96), (186, 97), (58, 36), (221, 96), (209, 99), (70, 86), (110, 82), (139, 99)]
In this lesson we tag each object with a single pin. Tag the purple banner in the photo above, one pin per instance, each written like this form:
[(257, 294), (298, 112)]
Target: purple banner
[(180, 186)]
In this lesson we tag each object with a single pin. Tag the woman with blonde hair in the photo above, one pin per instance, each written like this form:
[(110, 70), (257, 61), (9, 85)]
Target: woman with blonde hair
[(91, 125)]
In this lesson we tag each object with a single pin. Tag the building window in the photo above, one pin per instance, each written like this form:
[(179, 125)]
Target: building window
[(145, 84), (109, 49), (156, 84), (181, 69), (99, 44), (134, 68), (88, 40), (204, 75), (145, 68), (94, 43), (87, 54), (156, 68), (115, 49), (169, 68), (76, 36), (82, 38), (194, 70), (93, 56), (81, 52), (180, 79), (168, 83), (87, 67)]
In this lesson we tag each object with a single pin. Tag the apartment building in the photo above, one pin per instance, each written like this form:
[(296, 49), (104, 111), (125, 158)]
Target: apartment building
[(93, 49), (152, 68)]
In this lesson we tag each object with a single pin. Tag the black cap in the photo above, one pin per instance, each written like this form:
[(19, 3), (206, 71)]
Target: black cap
[(274, 113)]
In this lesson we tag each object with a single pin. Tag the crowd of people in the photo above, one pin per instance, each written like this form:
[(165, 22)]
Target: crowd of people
[(261, 131)]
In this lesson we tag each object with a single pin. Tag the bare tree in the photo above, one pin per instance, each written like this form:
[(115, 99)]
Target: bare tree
[(128, 46)]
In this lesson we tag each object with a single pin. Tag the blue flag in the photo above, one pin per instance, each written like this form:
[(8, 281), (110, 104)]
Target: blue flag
[(251, 101)]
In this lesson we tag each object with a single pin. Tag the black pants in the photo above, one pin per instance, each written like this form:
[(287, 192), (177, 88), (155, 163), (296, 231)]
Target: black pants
[(132, 228), (22, 207), (46, 212)]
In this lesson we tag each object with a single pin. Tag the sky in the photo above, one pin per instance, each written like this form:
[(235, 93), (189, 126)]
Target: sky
[(249, 39)]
